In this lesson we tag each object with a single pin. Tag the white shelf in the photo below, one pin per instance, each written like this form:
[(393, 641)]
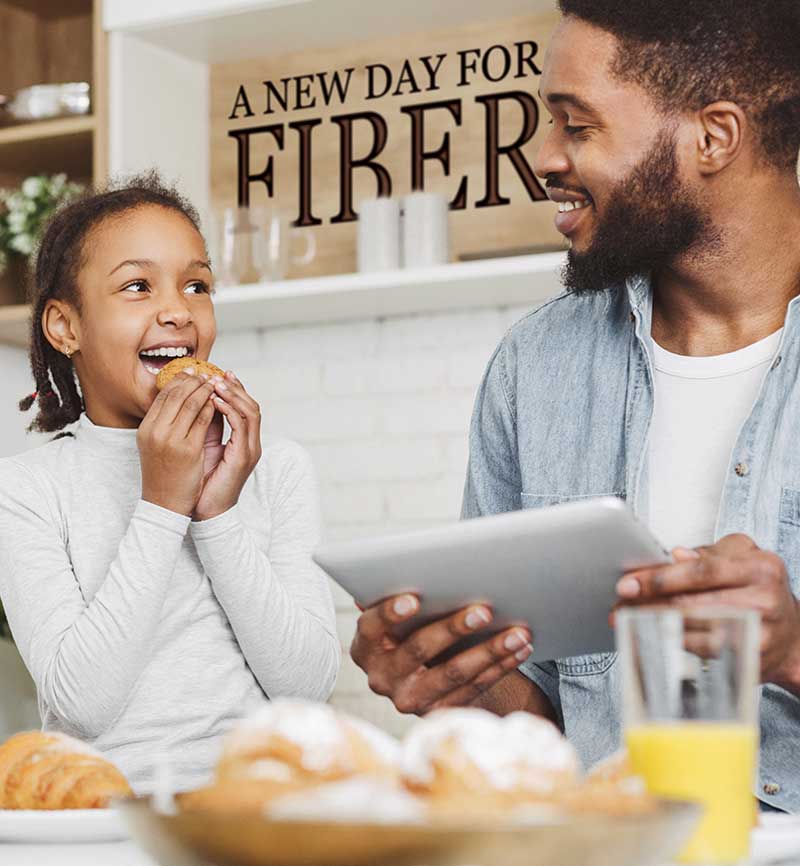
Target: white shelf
[(488, 283), (465, 285), (220, 31)]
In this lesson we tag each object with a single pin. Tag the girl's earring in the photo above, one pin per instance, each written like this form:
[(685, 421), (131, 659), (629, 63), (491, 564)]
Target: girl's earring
[(68, 351)]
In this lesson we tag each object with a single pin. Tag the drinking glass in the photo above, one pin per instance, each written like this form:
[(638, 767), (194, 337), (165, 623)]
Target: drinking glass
[(253, 245), (690, 711)]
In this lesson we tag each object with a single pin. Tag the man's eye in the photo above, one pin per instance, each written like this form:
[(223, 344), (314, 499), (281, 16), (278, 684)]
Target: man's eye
[(138, 284), (574, 130), (199, 286)]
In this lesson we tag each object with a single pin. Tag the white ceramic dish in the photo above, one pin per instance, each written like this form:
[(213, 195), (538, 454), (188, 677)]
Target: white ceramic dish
[(68, 825)]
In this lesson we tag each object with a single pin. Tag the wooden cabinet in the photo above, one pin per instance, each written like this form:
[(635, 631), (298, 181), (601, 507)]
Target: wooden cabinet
[(50, 42)]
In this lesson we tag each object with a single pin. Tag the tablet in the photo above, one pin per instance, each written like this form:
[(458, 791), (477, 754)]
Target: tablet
[(553, 569)]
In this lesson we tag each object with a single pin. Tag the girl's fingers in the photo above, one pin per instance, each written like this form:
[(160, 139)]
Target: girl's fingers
[(233, 393), (177, 392), (237, 422), (193, 404), (201, 423)]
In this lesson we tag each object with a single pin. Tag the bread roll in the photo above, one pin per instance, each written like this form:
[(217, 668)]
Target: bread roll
[(52, 771), (472, 761), (169, 371)]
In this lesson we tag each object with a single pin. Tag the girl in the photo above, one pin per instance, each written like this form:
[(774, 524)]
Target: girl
[(158, 582)]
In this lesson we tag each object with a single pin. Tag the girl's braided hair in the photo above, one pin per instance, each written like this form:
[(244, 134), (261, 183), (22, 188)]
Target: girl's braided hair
[(60, 256)]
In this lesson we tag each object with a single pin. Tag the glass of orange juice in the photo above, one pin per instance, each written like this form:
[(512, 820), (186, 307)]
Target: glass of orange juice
[(690, 704)]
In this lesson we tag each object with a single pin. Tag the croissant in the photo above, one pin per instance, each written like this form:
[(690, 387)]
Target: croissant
[(52, 771)]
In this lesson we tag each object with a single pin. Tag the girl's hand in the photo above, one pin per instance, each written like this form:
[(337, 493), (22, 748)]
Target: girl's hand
[(171, 441), (242, 451)]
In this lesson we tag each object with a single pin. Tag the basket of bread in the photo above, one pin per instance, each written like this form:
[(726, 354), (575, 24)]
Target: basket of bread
[(302, 784)]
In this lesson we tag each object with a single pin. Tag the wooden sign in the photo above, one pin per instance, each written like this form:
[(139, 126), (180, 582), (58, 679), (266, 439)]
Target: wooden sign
[(451, 111)]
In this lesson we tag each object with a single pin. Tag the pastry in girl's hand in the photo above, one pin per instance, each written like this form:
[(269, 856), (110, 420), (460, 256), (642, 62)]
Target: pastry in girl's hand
[(472, 761), (169, 371), (52, 771)]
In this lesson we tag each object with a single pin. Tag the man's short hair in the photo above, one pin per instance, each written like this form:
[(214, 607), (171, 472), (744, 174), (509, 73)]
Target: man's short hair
[(690, 53)]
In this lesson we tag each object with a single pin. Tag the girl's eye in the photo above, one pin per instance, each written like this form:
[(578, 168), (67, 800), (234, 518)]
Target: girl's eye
[(200, 288), (138, 283)]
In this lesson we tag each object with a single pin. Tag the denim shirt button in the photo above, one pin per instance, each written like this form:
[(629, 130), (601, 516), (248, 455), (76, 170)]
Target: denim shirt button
[(633, 317), (741, 469), (771, 788), (776, 362)]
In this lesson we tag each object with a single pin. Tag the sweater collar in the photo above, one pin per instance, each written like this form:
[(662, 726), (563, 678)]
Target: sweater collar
[(119, 442)]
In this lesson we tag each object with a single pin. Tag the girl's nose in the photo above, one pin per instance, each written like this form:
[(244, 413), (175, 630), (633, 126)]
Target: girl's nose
[(176, 314)]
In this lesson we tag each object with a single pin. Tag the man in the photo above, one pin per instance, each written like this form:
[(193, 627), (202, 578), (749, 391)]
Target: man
[(667, 374)]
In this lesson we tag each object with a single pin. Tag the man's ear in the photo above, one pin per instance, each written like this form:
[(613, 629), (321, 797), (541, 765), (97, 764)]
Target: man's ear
[(721, 131), (61, 326)]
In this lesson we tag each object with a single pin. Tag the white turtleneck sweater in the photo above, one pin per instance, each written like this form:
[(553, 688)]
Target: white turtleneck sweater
[(148, 634)]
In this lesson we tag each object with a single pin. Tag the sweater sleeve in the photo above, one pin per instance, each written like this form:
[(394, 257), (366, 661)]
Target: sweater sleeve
[(83, 656), (278, 602)]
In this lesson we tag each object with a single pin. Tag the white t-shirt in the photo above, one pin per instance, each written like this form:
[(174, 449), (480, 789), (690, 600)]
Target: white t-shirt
[(700, 406)]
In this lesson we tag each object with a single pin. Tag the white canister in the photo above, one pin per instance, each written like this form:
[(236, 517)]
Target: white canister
[(378, 234), (426, 235)]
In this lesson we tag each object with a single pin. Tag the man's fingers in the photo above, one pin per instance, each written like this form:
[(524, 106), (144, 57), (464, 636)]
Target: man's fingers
[(474, 670), (425, 644), (701, 574), (470, 693), (375, 626)]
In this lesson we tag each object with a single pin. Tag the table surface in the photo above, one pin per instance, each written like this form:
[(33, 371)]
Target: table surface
[(95, 854), (776, 844)]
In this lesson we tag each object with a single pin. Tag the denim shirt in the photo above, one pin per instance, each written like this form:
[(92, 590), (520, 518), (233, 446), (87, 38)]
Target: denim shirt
[(563, 413)]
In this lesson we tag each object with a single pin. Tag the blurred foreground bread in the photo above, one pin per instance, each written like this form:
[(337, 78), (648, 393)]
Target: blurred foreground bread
[(52, 771), (297, 760), (291, 746), (169, 371), (471, 761)]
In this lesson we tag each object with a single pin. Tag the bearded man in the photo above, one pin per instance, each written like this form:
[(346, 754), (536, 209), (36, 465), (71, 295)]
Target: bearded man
[(667, 374)]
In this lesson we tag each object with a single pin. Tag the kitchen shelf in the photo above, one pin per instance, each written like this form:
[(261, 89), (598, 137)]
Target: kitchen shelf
[(490, 283), (39, 130)]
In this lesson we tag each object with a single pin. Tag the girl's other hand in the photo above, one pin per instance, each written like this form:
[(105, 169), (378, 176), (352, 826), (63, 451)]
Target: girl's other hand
[(171, 440), (242, 451)]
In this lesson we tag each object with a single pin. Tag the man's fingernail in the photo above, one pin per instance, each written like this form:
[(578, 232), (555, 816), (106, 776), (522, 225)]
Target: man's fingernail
[(231, 375), (629, 587), (524, 652), (189, 371), (221, 385), (515, 640), (404, 605), (478, 617)]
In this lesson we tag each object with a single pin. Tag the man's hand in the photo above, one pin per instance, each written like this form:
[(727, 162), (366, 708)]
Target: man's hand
[(737, 573), (402, 671)]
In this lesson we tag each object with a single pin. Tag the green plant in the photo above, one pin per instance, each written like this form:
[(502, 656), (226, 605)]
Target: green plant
[(24, 211)]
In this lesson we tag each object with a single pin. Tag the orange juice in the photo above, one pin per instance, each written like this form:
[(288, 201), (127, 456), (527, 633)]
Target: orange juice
[(713, 763)]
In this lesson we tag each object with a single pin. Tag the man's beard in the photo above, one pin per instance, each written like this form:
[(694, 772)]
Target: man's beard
[(651, 218)]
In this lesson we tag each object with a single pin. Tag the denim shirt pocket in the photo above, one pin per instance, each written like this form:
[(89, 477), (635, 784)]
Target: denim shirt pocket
[(587, 665), (789, 535)]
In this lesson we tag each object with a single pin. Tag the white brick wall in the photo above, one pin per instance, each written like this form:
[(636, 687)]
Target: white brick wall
[(383, 406)]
